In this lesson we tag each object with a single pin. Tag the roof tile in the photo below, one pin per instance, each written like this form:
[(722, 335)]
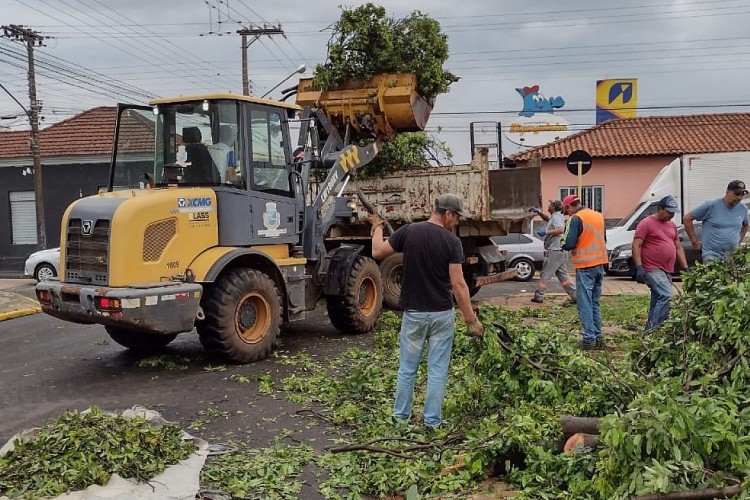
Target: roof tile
[(89, 133), (652, 136)]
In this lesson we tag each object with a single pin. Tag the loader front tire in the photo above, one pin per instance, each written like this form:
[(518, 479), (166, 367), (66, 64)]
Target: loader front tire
[(139, 341), (358, 309), (391, 271), (242, 316)]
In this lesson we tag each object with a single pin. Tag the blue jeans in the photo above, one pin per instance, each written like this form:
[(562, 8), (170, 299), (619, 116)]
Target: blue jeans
[(588, 290), (660, 284), (437, 329)]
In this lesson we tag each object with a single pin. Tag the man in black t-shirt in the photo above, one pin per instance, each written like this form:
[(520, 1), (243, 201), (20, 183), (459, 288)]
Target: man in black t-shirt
[(432, 277)]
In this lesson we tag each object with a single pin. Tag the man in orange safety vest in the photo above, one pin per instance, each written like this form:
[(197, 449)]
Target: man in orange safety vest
[(584, 236)]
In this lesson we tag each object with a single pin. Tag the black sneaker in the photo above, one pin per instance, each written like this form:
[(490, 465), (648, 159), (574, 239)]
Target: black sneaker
[(538, 300), (587, 345), (600, 343)]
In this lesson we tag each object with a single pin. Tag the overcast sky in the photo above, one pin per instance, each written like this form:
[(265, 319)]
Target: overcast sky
[(689, 56)]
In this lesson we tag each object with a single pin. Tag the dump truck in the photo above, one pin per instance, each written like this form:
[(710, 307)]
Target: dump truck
[(207, 221), (497, 199)]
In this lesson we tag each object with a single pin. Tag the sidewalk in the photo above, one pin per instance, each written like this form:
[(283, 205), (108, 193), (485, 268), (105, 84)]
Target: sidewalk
[(16, 298)]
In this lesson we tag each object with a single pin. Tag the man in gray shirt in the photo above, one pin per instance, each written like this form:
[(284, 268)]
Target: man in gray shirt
[(555, 258), (725, 223)]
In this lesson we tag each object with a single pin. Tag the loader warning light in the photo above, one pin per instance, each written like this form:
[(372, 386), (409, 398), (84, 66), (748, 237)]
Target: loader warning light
[(107, 304)]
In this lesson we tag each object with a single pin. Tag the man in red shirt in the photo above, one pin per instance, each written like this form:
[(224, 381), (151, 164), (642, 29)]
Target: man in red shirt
[(655, 249)]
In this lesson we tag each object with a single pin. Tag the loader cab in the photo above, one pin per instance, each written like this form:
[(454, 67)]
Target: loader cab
[(238, 146)]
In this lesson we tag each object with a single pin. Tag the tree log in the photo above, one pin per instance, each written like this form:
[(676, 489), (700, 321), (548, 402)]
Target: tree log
[(579, 425), (587, 440), (728, 492)]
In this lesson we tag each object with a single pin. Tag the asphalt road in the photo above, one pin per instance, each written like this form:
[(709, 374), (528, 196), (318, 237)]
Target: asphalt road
[(48, 366)]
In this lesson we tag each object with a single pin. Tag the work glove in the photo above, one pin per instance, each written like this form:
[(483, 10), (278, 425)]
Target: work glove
[(640, 275), (542, 233), (474, 328), (375, 221), (535, 210)]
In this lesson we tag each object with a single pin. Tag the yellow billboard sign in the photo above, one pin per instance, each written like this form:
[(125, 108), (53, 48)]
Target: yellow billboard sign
[(616, 98)]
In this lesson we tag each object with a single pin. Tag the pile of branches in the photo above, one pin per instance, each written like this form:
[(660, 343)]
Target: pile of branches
[(672, 408), (365, 42)]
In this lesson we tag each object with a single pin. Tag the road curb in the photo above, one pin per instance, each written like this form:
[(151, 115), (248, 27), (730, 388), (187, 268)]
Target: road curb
[(20, 312)]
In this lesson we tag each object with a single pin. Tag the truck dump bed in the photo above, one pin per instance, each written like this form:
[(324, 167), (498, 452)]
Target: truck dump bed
[(498, 200)]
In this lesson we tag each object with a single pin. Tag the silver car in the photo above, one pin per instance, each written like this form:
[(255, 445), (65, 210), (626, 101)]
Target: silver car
[(43, 265), (525, 252)]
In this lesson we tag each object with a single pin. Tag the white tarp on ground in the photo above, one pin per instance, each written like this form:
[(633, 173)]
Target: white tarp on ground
[(178, 482)]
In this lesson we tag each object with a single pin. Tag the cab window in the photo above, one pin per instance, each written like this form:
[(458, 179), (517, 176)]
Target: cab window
[(269, 168)]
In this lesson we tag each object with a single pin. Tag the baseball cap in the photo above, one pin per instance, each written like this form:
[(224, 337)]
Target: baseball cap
[(452, 202), (556, 204), (570, 200), (669, 204), (738, 187)]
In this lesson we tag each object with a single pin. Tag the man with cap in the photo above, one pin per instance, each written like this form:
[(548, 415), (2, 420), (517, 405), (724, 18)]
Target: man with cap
[(656, 245), (725, 223), (584, 236), (432, 277), (555, 258)]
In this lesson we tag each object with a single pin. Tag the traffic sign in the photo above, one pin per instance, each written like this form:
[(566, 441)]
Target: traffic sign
[(578, 162)]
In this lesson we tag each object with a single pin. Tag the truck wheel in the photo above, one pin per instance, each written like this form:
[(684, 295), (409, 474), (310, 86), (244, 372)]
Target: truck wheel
[(391, 271), (243, 316), (358, 310), (139, 341)]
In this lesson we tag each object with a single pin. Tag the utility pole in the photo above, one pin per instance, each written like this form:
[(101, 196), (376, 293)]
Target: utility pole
[(255, 32), (32, 38)]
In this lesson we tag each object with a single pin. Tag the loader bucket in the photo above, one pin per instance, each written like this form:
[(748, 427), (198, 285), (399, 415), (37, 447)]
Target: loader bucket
[(386, 104)]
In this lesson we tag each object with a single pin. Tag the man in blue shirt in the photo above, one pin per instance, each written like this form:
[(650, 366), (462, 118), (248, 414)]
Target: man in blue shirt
[(725, 223)]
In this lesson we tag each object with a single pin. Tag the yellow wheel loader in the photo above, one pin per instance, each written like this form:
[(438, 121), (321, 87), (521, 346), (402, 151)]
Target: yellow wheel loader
[(207, 221)]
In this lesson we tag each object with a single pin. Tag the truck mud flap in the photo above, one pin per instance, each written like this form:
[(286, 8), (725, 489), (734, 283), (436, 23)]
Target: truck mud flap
[(495, 277)]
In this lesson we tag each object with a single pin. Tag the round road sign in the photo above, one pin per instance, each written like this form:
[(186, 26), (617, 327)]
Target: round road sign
[(578, 156)]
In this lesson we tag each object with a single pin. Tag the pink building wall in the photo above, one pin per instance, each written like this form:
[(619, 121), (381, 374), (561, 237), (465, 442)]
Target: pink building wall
[(624, 180)]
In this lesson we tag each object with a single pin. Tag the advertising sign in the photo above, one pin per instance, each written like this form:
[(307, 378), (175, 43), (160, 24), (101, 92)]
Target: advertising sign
[(537, 122), (616, 98)]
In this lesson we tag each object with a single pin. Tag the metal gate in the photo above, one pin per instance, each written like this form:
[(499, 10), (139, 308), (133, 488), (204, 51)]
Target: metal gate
[(23, 217)]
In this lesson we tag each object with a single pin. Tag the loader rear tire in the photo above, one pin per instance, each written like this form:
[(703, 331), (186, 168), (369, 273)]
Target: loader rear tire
[(391, 271), (139, 341), (242, 316), (358, 309)]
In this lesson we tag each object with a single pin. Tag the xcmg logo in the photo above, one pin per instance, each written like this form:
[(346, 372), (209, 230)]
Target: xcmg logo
[(193, 202)]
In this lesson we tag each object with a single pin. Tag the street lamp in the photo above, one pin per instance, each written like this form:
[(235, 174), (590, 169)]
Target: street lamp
[(302, 68)]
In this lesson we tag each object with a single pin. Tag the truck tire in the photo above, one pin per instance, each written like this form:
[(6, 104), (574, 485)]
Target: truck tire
[(358, 309), (242, 316), (391, 272), (139, 341)]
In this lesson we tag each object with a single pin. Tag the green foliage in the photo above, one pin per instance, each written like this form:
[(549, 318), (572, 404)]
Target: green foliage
[(365, 41), (707, 337), (501, 410), (272, 472), (408, 150), (81, 449), (670, 442)]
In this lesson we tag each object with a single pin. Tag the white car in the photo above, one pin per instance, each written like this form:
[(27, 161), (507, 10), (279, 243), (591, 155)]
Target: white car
[(525, 252), (43, 265)]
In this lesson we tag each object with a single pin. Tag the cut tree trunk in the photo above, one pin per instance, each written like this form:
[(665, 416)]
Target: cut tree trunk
[(579, 425), (587, 440)]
